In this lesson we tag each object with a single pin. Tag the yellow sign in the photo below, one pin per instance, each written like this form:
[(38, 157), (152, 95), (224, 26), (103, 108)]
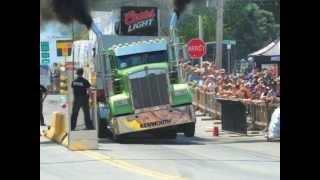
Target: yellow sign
[(64, 45)]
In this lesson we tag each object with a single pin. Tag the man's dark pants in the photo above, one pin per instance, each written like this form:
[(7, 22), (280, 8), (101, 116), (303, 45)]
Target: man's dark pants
[(41, 114), (81, 102)]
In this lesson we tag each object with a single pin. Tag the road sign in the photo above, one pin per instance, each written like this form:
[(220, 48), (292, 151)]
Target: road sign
[(44, 46), (45, 61), (232, 42), (196, 48), (45, 55)]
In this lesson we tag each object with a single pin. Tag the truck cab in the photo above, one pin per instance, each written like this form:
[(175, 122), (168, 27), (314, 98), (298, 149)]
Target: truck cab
[(144, 95)]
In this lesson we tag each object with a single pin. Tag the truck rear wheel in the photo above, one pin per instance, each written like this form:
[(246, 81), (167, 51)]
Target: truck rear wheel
[(189, 130)]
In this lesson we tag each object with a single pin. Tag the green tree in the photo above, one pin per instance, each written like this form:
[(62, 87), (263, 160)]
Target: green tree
[(188, 24), (251, 26)]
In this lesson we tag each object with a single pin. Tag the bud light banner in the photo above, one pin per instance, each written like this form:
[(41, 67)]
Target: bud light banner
[(139, 21)]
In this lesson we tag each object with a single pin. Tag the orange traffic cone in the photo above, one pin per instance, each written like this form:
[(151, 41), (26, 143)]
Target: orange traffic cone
[(215, 131)]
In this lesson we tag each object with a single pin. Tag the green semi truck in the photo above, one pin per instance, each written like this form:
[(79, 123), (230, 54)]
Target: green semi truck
[(139, 89)]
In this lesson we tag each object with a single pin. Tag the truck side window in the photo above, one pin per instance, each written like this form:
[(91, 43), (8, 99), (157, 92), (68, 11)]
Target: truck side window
[(123, 65)]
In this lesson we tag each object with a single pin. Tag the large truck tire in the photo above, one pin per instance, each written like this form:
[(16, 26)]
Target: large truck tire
[(102, 133), (117, 138), (189, 130)]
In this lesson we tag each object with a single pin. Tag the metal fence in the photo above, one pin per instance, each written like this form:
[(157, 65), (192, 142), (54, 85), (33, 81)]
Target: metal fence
[(258, 112), (206, 102)]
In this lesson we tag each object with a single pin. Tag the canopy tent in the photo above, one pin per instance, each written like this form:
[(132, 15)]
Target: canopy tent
[(268, 56), (271, 50)]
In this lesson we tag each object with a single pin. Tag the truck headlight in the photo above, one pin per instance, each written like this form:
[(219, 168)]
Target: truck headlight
[(180, 92), (121, 102)]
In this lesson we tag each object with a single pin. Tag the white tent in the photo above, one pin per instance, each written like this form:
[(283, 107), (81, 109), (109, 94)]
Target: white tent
[(271, 50)]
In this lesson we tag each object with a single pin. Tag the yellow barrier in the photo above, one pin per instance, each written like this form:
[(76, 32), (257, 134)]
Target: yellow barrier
[(65, 141), (57, 129)]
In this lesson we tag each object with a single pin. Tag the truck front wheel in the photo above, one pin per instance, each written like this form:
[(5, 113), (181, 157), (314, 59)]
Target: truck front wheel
[(189, 130), (117, 138)]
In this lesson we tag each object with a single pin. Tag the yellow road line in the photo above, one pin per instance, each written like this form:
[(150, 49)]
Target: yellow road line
[(129, 167)]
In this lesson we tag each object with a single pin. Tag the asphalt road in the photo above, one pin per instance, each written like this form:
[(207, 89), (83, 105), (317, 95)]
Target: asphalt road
[(226, 157)]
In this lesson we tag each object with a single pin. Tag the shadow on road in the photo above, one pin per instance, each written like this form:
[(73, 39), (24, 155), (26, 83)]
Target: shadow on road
[(150, 140), (182, 140), (242, 141), (67, 162), (47, 142)]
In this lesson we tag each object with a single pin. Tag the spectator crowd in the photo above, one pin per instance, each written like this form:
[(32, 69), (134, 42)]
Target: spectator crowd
[(259, 85)]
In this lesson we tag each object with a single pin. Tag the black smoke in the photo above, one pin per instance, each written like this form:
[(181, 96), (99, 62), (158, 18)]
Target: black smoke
[(65, 11), (179, 6)]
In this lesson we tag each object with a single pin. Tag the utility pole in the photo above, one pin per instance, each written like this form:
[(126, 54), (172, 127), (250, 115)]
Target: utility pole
[(72, 51), (219, 33), (200, 35)]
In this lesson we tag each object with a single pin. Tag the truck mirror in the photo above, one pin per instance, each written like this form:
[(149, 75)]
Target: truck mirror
[(173, 76), (117, 86)]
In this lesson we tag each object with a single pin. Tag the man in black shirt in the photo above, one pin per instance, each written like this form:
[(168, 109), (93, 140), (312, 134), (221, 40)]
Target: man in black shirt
[(81, 90), (43, 95)]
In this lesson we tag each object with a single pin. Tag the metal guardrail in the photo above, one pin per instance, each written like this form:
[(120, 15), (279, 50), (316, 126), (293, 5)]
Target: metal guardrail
[(258, 112), (206, 102)]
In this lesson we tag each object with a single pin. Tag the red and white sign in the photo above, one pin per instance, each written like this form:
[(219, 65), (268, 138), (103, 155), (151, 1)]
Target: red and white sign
[(141, 21), (196, 48)]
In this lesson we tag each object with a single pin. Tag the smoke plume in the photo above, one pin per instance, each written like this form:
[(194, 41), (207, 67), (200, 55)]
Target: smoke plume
[(180, 6), (65, 11)]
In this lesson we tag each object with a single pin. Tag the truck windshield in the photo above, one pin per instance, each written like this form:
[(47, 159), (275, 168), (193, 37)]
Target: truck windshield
[(142, 58)]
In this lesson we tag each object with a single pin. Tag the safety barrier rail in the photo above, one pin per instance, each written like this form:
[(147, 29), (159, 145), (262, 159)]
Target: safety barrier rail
[(206, 102), (258, 112)]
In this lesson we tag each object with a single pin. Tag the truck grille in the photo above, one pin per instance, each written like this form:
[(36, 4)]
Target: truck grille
[(150, 91)]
